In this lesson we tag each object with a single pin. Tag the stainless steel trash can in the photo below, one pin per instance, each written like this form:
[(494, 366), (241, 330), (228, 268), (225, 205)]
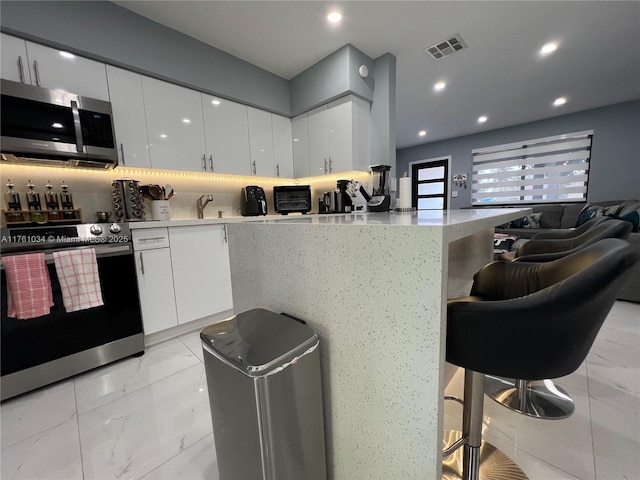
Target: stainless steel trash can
[(263, 377)]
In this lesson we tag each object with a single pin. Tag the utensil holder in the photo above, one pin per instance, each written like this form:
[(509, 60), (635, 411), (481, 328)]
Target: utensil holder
[(160, 210)]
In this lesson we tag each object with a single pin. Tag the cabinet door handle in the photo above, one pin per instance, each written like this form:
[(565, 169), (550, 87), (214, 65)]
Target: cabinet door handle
[(224, 233), (211, 162), (21, 68), (277, 169), (330, 165), (325, 165), (204, 163), (122, 152), (141, 264), (37, 70), (254, 167), (151, 239)]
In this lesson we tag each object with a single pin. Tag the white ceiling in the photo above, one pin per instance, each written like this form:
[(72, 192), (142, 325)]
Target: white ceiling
[(500, 75)]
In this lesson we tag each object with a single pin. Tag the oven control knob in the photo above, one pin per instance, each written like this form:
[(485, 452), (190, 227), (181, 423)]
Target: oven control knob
[(95, 229), (114, 228)]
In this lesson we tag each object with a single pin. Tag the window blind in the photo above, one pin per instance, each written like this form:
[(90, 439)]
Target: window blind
[(542, 170)]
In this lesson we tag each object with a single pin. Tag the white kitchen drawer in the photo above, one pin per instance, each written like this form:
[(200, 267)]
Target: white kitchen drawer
[(150, 238)]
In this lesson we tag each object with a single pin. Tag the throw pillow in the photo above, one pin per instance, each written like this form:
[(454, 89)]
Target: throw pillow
[(632, 217), (530, 221), (611, 210), (588, 212)]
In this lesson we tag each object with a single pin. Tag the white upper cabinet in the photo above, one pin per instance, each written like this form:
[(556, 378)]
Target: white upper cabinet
[(46, 67), (60, 70), (300, 142), (174, 125), (125, 90), (15, 63), (339, 137), (261, 142), (282, 146), (226, 136), (318, 141)]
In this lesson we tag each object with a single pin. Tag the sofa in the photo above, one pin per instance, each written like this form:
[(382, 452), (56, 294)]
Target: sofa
[(546, 217)]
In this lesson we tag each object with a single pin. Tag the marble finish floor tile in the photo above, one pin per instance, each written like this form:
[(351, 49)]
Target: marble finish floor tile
[(103, 385), (51, 454), (197, 461), (36, 411), (193, 343), (133, 435), (149, 418)]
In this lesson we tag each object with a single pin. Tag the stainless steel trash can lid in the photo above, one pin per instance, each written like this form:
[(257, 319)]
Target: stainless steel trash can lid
[(258, 341)]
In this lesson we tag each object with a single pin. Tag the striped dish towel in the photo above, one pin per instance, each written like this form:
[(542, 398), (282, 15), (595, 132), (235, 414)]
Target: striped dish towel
[(28, 286), (79, 281)]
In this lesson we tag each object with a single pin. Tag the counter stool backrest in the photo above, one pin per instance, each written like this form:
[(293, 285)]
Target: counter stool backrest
[(537, 320)]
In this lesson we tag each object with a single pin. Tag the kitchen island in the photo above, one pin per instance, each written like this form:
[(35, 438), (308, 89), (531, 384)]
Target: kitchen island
[(374, 287)]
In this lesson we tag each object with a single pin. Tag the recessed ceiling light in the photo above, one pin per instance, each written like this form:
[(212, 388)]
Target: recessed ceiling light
[(67, 55), (186, 120), (422, 133), (215, 102), (163, 135), (559, 101), (482, 119), (548, 48), (439, 86), (334, 17), (56, 125)]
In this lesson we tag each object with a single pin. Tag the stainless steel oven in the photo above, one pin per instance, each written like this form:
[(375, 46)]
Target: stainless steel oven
[(39, 351)]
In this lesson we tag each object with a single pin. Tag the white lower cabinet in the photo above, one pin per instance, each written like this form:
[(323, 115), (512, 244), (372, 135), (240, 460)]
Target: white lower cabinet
[(201, 271), (183, 274), (155, 279)]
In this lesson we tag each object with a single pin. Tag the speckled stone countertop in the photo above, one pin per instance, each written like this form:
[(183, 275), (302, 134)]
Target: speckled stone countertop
[(374, 287), (457, 222)]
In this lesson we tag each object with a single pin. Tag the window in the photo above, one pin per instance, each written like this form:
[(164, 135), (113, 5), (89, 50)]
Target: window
[(429, 184), (544, 170)]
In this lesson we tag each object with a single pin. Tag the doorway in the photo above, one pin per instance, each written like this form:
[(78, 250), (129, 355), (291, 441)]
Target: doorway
[(430, 183)]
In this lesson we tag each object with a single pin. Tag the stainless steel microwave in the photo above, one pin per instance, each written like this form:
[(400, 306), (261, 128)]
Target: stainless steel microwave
[(53, 127)]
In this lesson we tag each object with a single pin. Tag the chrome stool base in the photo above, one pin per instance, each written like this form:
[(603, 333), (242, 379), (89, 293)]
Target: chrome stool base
[(494, 464), (541, 398)]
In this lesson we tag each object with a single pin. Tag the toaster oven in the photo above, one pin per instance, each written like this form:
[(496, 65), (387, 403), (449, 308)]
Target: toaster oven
[(292, 199)]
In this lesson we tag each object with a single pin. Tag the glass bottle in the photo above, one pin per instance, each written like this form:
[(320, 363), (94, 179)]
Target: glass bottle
[(66, 200), (51, 201), (33, 201), (12, 198), (14, 206)]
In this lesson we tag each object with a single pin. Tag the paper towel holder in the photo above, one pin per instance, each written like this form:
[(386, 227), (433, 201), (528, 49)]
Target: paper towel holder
[(403, 209)]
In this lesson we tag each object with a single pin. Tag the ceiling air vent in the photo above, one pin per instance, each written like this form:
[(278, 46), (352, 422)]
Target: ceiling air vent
[(446, 47)]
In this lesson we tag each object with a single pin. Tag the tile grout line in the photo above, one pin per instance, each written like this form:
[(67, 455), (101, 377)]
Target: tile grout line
[(75, 399)]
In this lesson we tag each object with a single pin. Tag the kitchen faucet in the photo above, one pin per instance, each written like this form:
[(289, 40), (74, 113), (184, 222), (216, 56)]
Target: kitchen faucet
[(200, 204)]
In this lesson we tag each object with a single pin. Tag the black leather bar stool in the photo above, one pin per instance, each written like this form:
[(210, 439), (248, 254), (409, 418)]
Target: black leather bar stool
[(555, 248), (528, 320), (559, 233), (543, 398)]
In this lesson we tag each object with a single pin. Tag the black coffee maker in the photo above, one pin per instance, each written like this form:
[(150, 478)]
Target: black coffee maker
[(337, 201)]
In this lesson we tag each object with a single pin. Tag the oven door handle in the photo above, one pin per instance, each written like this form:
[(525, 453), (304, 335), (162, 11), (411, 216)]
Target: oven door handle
[(102, 251)]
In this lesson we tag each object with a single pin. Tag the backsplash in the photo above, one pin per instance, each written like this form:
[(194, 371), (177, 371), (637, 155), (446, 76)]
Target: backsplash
[(91, 189)]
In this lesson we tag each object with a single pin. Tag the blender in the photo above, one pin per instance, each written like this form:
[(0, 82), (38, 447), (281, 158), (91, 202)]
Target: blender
[(380, 197)]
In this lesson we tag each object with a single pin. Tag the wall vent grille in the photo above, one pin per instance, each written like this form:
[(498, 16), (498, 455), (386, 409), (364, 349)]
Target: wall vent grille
[(446, 47)]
